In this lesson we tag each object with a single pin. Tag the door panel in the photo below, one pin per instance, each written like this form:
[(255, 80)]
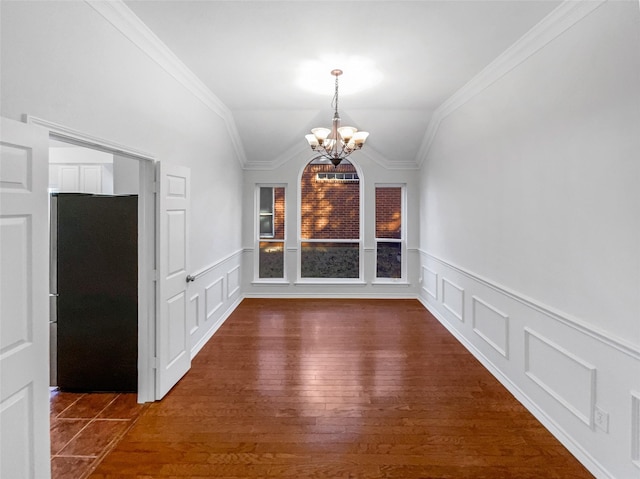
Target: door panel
[(91, 179), (69, 178), (173, 342), (24, 303)]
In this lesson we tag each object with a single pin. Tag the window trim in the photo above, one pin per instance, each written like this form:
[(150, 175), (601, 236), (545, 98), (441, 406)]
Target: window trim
[(299, 240), (257, 239), (403, 235), (261, 214)]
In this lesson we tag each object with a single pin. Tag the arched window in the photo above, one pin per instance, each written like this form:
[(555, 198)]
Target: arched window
[(330, 230)]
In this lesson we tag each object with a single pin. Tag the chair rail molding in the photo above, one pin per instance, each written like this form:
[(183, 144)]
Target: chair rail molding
[(578, 324)]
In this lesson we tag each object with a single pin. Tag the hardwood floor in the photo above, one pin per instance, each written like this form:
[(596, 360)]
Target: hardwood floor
[(337, 389)]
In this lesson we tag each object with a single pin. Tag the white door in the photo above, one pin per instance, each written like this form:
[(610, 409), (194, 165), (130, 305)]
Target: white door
[(173, 347), (91, 179), (69, 178), (24, 302)]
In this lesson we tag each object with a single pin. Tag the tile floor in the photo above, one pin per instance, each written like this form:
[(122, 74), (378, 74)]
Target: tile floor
[(84, 427)]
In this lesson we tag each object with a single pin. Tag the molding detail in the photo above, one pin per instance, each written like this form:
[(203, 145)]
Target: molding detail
[(494, 331), (557, 430), (233, 281), (635, 428), (430, 282), (82, 139), (213, 297), (194, 301), (563, 380), (214, 265), (125, 21), (456, 309), (619, 344), (302, 154), (195, 349), (567, 14)]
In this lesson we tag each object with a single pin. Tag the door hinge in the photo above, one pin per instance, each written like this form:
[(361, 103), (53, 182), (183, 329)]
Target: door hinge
[(155, 363)]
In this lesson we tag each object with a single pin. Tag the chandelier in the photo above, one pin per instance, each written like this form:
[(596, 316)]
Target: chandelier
[(338, 142)]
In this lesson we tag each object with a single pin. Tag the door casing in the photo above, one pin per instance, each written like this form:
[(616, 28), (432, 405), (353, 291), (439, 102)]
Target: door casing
[(147, 208)]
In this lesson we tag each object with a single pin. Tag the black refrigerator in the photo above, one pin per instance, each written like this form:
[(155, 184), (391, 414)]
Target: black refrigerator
[(94, 280)]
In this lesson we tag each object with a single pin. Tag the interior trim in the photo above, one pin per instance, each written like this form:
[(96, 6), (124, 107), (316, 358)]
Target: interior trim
[(580, 325), (567, 14)]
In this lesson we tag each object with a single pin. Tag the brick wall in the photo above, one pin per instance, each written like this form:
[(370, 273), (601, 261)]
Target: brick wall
[(388, 212), (330, 208), (278, 213)]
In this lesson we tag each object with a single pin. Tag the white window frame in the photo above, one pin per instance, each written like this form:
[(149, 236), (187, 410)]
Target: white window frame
[(258, 239), (403, 234), (261, 214), (360, 240)]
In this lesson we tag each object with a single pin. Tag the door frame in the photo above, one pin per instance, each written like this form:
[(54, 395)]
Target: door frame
[(147, 275)]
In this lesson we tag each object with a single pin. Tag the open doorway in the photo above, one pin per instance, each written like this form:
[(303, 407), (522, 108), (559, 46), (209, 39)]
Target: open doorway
[(108, 192), (83, 168), (93, 218)]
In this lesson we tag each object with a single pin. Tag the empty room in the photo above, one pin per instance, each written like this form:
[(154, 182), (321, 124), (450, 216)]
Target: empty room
[(354, 239)]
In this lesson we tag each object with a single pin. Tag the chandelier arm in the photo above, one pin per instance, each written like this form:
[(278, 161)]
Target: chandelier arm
[(326, 139)]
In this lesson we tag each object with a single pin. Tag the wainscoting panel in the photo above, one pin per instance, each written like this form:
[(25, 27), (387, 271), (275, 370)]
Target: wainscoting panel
[(453, 298), (214, 297), (491, 325), (558, 366), (568, 379), (430, 282), (233, 281), (635, 429), (194, 313)]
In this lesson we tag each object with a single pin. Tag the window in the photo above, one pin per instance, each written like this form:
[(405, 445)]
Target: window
[(339, 176), (330, 221), (389, 235), (271, 208)]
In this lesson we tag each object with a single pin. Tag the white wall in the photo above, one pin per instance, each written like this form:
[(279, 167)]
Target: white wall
[(126, 175), (65, 63), (288, 174), (530, 231)]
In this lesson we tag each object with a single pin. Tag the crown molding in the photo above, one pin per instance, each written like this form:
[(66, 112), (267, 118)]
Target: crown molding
[(124, 20), (80, 138), (381, 160), (567, 14), (300, 151)]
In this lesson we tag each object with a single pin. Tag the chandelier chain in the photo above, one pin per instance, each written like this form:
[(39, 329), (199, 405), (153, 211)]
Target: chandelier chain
[(338, 142), (334, 102)]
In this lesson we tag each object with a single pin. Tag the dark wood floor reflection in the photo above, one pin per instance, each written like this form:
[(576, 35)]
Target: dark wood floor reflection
[(337, 389)]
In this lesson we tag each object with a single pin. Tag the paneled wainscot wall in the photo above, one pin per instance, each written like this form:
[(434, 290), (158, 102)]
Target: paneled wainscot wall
[(212, 298), (572, 377)]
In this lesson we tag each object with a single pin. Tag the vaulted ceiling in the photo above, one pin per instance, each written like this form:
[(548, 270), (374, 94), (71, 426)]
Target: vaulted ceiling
[(251, 55)]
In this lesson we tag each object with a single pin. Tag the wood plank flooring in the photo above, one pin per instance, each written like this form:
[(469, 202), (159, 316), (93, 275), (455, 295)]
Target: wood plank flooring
[(325, 388)]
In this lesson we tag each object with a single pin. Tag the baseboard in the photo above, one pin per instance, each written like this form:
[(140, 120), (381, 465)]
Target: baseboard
[(567, 441), (214, 327)]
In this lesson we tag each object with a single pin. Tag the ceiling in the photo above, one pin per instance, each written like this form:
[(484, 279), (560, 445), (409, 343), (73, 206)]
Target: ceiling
[(250, 55)]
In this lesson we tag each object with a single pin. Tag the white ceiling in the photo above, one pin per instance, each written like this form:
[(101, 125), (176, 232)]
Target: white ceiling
[(249, 54)]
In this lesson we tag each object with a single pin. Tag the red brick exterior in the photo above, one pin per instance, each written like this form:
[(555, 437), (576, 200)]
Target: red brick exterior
[(388, 212), (278, 213), (330, 208)]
